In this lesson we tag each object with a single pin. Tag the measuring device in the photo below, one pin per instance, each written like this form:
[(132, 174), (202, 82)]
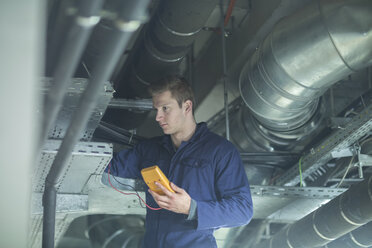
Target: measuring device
[(154, 174)]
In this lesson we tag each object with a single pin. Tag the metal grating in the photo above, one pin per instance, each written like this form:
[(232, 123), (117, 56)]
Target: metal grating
[(131, 104), (288, 204), (87, 158), (296, 192), (71, 102)]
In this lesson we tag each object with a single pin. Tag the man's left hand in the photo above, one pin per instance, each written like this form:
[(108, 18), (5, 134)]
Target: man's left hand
[(178, 202)]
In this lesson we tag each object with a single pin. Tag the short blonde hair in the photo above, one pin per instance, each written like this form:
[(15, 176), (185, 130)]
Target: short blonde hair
[(177, 86)]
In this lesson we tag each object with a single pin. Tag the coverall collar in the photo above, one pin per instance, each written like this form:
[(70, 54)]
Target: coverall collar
[(201, 129)]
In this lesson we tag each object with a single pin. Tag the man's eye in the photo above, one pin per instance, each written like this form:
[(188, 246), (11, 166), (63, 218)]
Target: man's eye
[(165, 108)]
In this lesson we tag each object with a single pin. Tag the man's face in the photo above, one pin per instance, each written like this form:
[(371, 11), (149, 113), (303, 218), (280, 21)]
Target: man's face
[(169, 115)]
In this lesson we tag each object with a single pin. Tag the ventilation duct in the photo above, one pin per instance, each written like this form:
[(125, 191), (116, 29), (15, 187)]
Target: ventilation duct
[(123, 231), (167, 40), (296, 63), (360, 237), (343, 214)]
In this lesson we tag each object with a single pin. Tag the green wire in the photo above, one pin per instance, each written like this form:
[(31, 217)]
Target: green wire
[(299, 168)]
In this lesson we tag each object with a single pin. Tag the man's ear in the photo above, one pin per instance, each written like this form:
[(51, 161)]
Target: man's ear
[(188, 106)]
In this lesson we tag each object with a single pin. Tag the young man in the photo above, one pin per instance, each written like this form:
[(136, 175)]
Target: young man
[(205, 171)]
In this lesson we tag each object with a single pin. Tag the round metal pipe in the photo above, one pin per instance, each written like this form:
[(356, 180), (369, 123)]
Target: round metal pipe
[(225, 79), (49, 216)]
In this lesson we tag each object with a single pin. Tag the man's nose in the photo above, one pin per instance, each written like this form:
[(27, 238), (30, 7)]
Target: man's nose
[(159, 116)]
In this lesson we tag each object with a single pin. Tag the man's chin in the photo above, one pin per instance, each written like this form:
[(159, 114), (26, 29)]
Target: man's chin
[(166, 131)]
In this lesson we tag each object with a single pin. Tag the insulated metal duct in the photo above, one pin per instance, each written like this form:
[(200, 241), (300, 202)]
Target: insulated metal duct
[(329, 222), (299, 60), (361, 237), (166, 41)]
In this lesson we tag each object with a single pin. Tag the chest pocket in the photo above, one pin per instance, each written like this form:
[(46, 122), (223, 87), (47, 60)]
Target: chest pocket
[(197, 178), (163, 164), (194, 162), (147, 163)]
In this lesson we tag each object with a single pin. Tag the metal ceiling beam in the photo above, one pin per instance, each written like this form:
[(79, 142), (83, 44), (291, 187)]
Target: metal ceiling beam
[(136, 104)]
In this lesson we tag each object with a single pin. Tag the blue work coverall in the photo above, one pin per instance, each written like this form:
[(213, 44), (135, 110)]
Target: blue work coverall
[(210, 169)]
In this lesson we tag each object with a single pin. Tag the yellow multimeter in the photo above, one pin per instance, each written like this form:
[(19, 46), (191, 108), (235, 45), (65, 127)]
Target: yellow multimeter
[(154, 174)]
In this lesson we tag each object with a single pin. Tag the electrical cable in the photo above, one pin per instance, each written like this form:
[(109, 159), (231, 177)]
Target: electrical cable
[(299, 168), (130, 186), (139, 197)]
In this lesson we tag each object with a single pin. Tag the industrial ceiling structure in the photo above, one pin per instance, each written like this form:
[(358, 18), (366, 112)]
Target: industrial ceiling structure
[(288, 82)]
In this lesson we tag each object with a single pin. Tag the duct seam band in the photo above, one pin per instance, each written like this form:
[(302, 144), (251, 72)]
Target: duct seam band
[(355, 241), (263, 98), (317, 231), (264, 74), (322, 16), (175, 32), (139, 78), (344, 215), (87, 22), (288, 243), (148, 47), (127, 26)]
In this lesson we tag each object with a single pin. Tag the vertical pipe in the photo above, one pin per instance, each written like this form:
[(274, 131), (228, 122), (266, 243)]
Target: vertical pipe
[(49, 215), (226, 101), (103, 70)]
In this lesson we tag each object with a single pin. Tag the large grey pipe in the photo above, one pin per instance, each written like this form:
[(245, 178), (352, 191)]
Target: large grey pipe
[(77, 37), (130, 17), (343, 214), (302, 57)]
